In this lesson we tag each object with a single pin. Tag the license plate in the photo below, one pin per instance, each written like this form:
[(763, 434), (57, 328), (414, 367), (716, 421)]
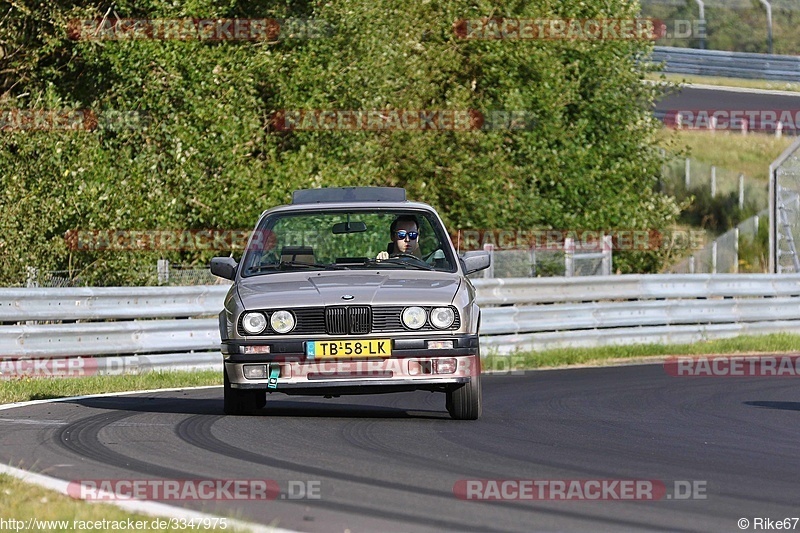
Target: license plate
[(348, 349)]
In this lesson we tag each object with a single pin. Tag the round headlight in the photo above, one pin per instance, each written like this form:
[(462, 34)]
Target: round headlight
[(254, 323), (414, 317), (442, 317), (282, 321)]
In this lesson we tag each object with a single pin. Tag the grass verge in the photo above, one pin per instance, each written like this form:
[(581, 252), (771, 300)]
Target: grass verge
[(27, 388), (606, 355), (749, 154), (37, 509)]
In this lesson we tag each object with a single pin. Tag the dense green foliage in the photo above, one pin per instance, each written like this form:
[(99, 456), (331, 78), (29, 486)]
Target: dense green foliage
[(204, 152)]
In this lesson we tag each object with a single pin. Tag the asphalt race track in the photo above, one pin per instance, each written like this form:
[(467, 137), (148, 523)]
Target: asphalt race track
[(694, 98), (390, 462)]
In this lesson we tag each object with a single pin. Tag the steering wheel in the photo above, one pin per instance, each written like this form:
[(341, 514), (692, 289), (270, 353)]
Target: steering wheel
[(406, 255)]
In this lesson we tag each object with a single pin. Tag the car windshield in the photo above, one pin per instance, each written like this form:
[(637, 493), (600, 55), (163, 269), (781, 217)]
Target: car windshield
[(338, 240)]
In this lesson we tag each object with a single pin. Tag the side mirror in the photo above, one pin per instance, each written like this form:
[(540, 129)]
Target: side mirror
[(475, 260), (224, 267)]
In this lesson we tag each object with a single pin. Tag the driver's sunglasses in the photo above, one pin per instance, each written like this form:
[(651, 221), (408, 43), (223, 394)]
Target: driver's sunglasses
[(402, 234)]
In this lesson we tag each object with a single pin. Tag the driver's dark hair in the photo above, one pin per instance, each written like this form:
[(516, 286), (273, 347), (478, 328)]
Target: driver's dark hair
[(402, 218)]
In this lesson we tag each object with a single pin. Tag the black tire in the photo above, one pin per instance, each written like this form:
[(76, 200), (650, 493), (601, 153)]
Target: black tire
[(240, 402), (465, 402), (260, 398)]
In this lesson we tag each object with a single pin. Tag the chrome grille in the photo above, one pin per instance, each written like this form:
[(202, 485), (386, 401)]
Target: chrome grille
[(360, 319), (336, 320), (344, 320), (387, 319)]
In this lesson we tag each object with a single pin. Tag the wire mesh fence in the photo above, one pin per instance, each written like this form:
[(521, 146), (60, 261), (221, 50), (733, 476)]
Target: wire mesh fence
[(52, 278), (571, 259), (163, 273), (685, 176), (178, 275), (786, 179), (741, 249)]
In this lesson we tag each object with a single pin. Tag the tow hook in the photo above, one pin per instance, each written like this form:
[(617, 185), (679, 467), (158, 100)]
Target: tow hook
[(274, 372)]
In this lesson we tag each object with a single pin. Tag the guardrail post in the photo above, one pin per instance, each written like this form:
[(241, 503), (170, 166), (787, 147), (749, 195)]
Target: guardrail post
[(772, 235), (163, 271), (713, 181), (687, 172), (736, 250), (741, 191), (489, 272), (569, 257), (714, 257), (31, 277), (607, 246)]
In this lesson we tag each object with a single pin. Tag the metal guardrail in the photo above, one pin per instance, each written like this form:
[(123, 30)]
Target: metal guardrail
[(507, 344), (541, 313), (110, 338), (727, 64), (141, 328), (596, 315), (110, 330), (636, 286), (121, 303)]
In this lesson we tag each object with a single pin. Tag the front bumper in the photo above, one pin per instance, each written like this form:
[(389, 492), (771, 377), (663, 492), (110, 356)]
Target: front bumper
[(295, 349), (412, 366)]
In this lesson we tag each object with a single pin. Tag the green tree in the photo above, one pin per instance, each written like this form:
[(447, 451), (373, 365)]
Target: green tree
[(204, 151)]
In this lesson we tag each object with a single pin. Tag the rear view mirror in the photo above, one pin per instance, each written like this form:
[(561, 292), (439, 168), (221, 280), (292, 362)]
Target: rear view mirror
[(349, 227)]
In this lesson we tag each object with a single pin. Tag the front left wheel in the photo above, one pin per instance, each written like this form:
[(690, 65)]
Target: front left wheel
[(466, 401)]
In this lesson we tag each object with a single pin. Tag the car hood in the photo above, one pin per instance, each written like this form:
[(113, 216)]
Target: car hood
[(306, 289)]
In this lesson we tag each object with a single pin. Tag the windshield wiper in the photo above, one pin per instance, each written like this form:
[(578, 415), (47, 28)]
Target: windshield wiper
[(422, 265), (310, 265), (283, 264)]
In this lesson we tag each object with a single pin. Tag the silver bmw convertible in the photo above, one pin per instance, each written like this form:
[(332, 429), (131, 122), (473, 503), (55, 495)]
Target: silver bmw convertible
[(351, 290)]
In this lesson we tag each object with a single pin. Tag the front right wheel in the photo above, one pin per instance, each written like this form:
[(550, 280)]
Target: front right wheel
[(240, 402), (465, 402)]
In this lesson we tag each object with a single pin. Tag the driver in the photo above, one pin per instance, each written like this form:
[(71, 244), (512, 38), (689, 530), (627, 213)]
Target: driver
[(405, 238)]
